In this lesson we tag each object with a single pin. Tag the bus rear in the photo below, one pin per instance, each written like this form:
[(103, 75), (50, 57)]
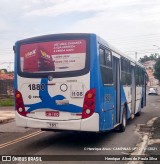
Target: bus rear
[(52, 83)]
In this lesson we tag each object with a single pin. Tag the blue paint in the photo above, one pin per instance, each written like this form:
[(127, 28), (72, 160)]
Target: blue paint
[(94, 70), (15, 72), (106, 109), (50, 102), (101, 91)]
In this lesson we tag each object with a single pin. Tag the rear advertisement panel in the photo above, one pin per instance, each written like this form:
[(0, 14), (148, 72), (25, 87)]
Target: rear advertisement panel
[(54, 56)]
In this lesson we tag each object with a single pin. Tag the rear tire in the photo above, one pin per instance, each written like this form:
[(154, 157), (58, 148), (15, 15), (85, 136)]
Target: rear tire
[(123, 125)]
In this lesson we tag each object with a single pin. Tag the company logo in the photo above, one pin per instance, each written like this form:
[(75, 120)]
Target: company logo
[(30, 54), (6, 158)]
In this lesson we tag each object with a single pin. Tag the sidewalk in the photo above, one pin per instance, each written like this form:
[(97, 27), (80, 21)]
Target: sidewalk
[(150, 143), (153, 147), (6, 114)]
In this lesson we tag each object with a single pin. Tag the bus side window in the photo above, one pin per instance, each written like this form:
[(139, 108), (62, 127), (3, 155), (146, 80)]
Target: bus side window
[(108, 58), (142, 77), (106, 66), (125, 72), (101, 56)]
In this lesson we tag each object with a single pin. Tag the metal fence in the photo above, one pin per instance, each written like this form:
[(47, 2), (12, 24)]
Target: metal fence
[(6, 88)]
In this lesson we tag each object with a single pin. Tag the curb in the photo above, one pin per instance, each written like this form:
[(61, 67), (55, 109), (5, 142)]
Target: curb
[(5, 120), (6, 116)]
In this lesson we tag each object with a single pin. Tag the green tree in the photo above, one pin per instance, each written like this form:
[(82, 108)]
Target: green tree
[(144, 59), (157, 69), (148, 58)]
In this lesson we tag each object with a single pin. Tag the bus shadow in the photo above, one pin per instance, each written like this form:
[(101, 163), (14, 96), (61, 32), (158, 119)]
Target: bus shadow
[(71, 141)]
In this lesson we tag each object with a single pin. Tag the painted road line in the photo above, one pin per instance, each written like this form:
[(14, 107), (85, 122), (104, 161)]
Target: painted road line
[(20, 139)]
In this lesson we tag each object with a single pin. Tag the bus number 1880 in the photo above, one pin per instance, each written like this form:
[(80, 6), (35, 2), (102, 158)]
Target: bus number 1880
[(36, 86)]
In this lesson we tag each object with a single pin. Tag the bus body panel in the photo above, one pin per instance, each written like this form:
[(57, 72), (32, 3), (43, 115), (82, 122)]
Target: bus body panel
[(139, 96), (124, 101), (90, 124), (53, 98), (127, 92), (106, 95)]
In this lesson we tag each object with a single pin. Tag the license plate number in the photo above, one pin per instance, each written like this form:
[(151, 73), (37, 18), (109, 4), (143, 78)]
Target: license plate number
[(52, 114)]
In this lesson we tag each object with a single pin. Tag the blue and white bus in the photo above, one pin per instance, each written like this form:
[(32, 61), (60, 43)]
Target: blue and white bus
[(76, 82)]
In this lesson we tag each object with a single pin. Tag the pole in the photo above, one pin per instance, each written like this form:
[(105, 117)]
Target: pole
[(136, 55)]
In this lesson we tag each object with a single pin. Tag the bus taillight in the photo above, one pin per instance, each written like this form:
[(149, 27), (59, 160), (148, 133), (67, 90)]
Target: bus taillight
[(20, 104), (89, 103)]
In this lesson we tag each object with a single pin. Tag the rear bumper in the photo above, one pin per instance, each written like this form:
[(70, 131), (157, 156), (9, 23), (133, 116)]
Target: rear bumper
[(90, 124)]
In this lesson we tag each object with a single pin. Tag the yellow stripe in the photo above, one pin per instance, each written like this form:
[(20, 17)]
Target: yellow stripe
[(20, 139)]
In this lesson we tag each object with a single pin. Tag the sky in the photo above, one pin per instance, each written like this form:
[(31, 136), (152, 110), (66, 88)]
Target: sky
[(129, 25)]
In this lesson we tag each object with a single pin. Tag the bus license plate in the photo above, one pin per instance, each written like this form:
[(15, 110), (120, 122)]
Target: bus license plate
[(52, 113)]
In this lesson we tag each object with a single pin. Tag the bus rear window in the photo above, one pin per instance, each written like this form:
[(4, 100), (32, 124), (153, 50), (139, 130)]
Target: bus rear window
[(53, 56)]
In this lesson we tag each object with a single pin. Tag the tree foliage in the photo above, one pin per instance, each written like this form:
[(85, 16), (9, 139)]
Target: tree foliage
[(157, 69), (148, 58)]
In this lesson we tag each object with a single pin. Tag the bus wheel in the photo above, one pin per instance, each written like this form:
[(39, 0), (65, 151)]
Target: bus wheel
[(122, 127)]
